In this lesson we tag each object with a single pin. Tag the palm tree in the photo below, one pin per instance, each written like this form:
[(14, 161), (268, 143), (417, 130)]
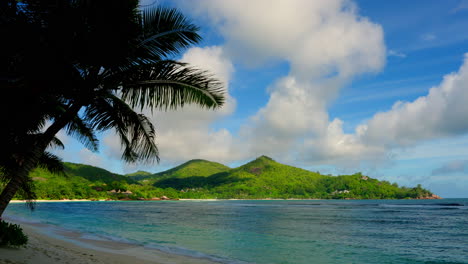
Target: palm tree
[(104, 61)]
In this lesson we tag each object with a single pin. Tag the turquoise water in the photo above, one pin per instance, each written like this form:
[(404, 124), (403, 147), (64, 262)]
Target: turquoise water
[(355, 231)]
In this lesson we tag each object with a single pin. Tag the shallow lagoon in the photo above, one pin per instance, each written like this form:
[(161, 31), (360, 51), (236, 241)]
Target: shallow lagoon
[(305, 231)]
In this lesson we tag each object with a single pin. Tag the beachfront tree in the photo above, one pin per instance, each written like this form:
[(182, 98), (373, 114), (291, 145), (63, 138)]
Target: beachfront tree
[(89, 66)]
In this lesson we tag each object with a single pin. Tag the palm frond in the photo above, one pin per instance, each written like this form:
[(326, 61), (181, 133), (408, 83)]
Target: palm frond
[(169, 85), (56, 143), (83, 132), (166, 32), (51, 163), (135, 130)]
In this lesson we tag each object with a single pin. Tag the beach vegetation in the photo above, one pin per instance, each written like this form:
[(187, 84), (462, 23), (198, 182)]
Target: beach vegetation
[(11, 235)]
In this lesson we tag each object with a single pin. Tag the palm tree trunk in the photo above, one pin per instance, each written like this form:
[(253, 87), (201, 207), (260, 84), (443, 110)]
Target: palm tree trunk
[(8, 193), (14, 184), (30, 159)]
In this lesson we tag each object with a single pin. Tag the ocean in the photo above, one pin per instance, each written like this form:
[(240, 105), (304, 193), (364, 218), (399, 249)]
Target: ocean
[(273, 231)]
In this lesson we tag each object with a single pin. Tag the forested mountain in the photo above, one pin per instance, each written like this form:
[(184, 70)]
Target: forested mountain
[(260, 178), (189, 169), (266, 178)]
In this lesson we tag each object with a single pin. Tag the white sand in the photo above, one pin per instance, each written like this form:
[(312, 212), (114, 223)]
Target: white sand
[(44, 249), (54, 201)]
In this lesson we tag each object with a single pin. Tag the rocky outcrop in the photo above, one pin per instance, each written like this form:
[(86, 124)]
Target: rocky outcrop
[(429, 197)]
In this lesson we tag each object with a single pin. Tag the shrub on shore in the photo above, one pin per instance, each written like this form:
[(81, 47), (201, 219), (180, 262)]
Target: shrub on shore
[(12, 235)]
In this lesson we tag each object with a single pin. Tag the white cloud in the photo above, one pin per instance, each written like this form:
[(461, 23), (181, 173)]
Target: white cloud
[(441, 113), (326, 44), (317, 37), (395, 53), (338, 147)]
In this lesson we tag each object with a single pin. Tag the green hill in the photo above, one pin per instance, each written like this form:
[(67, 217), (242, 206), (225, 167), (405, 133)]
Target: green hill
[(266, 178), (260, 178), (195, 167), (79, 182), (139, 175), (94, 174)]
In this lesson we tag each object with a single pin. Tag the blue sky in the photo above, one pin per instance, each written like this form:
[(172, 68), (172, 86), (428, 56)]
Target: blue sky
[(335, 86)]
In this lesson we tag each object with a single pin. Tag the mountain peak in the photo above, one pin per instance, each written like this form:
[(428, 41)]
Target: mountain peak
[(194, 167), (264, 157)]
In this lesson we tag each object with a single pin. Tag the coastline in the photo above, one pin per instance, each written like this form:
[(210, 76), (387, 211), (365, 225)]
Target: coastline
[(47, 247), (434, 197), (55, 201)]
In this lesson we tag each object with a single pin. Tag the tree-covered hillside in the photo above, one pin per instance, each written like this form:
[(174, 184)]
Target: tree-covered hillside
[(79, 182), (94, 174), (196, 167), (190, 173), (261, 178), (139, 175), (266, 178)]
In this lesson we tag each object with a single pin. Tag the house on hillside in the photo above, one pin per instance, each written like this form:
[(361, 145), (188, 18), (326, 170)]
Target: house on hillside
[(127, 192)]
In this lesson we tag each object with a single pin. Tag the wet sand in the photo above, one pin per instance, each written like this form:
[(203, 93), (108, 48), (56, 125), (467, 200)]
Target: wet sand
[(68, 247)]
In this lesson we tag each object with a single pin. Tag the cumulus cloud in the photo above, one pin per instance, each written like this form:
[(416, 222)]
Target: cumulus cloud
[(456, 166), (326, 44), (441, 113), (316, 37), (338, 147)]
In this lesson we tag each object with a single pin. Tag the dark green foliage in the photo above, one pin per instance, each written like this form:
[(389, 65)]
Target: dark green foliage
[(12, 235)]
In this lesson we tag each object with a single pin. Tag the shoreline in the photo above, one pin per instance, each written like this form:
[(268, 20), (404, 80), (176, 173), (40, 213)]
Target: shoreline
[(56, 201), (211, 200), (48, 245)]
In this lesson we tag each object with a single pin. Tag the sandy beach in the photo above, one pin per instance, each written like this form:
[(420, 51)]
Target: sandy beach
[(47, 249), (54, 201)]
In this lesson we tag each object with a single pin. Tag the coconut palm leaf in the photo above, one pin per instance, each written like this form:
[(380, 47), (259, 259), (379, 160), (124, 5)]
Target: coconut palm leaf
[(51, 163), (165, 32), (135, 130), (83, 132), (169, 85), (56, 143)]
